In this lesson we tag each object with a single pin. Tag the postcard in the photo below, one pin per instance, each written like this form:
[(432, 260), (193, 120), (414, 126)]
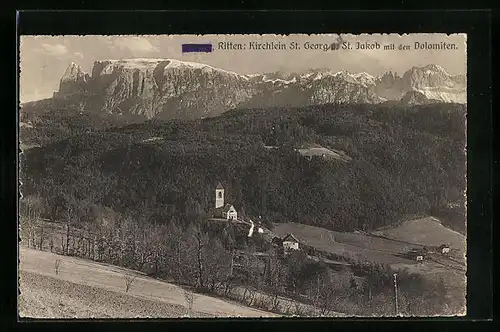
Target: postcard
[(205, 176)]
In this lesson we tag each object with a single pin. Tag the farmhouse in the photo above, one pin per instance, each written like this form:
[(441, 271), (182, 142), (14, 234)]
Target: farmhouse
[(225, 211), (444, 249), (290, 242), (416, 254)]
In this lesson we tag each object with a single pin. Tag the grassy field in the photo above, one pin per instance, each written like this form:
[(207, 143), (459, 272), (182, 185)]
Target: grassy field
[(84, 289), (426, 231), (356, 246), (323, 152)]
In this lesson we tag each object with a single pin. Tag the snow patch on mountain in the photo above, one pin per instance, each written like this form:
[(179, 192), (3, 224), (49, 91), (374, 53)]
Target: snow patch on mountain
[(151, 63), (435, 68), (265, 78), (445, 95), (362, 78)]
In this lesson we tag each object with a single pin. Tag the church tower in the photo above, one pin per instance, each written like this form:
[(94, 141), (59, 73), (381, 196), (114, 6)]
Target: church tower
[(219, 196)]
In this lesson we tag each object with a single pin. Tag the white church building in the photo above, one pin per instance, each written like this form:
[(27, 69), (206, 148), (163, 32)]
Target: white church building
[(223, 210)]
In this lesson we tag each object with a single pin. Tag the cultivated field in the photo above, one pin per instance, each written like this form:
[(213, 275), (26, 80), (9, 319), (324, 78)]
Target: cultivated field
[(84, 289)]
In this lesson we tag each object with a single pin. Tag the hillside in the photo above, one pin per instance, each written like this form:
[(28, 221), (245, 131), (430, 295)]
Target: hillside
[(85, 289), (41, 124), (425, 231), (396, 161), (357, 247), (387, 251)]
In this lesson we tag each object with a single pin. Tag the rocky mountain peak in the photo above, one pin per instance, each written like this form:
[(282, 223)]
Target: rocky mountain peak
[(74, 73), (74, 80), (170, 88)]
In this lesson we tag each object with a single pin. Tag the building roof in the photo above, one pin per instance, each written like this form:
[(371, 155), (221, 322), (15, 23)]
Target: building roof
[(225, 208), (219, 186), (290, 237)]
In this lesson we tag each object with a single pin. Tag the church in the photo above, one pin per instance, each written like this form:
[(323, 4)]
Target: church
[(223, 210)]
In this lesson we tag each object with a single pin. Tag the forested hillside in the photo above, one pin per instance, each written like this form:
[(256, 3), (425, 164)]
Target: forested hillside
[(405, 160)]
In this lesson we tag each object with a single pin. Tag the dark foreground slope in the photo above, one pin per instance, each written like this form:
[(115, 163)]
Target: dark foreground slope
[(404, 160)]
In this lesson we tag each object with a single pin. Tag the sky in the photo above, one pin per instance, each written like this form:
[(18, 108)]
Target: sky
[(43, 59)]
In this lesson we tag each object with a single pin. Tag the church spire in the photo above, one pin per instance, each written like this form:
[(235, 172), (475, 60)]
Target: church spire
[(219, 196)]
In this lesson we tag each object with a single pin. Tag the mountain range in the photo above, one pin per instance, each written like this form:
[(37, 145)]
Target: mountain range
[(169, 89)]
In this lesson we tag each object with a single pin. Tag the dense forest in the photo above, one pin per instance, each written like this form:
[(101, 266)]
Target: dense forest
[(404, 161)]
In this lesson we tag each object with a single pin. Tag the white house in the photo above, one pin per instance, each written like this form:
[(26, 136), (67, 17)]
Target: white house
[(290, 242), (420, 258)]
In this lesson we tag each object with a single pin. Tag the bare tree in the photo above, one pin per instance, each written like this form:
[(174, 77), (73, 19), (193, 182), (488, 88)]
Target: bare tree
[(30, 210), (127, 242), (277, 274), (157, 248), (189, 299), (327, 299), (260, 301), (174, 252), (218, 266), (57, 265), (190, 258), (41, 235), (149, 246), (129, 279), (251, 293), (274, 303), (287, 309), (330, 297), (229, 281), (252, 277), (299, 309), (200, 243), (70, 216)]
